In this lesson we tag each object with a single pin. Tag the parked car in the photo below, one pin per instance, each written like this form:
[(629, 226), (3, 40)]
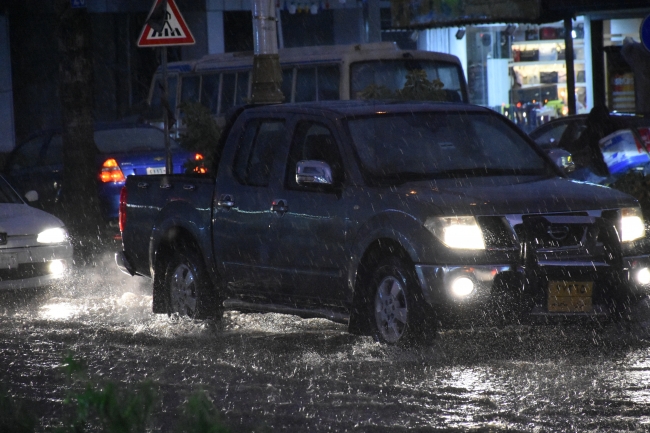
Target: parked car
[(124, 149), (625, 147), (395, 218), (34, 246)]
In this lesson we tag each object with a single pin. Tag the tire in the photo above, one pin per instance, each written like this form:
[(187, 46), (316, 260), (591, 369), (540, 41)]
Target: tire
[(189, 291), (399, 313)]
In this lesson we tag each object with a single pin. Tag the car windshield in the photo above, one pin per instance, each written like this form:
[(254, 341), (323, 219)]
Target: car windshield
[(430, 145), (391, 75), (7, 193), (131, 139)]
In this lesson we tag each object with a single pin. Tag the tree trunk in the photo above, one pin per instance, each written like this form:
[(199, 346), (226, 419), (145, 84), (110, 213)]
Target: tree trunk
[(79, 201)]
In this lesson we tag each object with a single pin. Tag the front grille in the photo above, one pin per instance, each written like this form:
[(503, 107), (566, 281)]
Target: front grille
[(25, 270), (568, 237)]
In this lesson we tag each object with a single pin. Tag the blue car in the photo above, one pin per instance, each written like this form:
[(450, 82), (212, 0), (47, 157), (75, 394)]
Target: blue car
[(123, 149)]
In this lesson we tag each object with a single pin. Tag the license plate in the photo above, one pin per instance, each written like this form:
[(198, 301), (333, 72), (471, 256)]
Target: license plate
[(156, 170), (570, 296), (8, 261)]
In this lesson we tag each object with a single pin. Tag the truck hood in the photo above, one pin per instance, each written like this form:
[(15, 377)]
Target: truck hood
[(22, 219), (499, 196)]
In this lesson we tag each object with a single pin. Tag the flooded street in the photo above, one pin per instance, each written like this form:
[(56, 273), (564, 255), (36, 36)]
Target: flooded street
[(281, 373)]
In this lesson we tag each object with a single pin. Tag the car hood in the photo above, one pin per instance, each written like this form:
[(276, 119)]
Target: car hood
[(499, 196), (22, 219)]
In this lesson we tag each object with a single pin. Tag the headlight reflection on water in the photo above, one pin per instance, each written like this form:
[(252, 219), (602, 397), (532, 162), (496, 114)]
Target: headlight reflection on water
[(58, 311)]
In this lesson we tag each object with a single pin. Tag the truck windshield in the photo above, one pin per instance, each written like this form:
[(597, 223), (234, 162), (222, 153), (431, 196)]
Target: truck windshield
[(390, 75), (419, 146)]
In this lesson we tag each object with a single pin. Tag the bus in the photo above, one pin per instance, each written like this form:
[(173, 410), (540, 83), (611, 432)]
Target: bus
[(320, 73)]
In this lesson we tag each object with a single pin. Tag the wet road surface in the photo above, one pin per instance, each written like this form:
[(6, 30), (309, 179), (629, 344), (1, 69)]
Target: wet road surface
[(280, 373)]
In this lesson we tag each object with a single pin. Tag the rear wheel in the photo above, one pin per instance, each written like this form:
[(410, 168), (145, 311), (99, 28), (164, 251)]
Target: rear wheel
[(399, 312), (189, 290)]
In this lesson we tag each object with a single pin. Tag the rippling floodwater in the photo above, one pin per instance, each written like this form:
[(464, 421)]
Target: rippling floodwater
[(280, 373)]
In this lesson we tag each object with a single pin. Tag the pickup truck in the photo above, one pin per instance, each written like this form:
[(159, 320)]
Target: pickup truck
[(394, 218)]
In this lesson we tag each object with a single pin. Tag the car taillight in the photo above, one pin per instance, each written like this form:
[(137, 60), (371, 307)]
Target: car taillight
[(111, 172), (199, 168), (122, 209)]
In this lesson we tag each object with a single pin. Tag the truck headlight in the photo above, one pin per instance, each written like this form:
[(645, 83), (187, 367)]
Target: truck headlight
[(52, 236), (460, 232), (632, 226)]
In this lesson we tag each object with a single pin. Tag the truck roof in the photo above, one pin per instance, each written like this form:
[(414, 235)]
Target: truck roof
[(363, 107)]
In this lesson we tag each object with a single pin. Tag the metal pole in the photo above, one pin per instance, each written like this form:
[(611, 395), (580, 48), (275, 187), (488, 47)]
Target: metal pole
[(570, 67), (169, 168), (267, 75)]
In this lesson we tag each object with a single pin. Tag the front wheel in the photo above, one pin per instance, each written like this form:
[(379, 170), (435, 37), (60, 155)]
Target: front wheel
[(400, 313), (189, 290)]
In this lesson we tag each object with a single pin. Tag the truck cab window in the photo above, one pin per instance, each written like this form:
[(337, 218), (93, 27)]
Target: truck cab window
[(257, 151), (313, 141)]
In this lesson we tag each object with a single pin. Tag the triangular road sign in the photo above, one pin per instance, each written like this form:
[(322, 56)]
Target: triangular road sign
[(174, 32)]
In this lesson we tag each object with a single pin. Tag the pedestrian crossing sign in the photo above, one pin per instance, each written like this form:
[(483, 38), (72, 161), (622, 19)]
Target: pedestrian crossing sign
[(172, 29)]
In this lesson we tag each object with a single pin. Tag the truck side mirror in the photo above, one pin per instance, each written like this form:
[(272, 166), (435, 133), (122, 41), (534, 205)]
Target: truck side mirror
[(313, 172), (562, 159)]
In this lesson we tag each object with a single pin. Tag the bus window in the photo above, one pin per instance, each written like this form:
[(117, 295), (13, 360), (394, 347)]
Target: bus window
[(392, 75), (227, 92), (210, 92), (190, 88), (287, 83), (328, 83), (241, 94), (305, 85)]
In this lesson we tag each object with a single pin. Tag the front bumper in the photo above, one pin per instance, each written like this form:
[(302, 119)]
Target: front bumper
[(33, 267), (501, 288)]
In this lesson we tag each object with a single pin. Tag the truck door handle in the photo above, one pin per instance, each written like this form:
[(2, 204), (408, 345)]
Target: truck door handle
[(143, 185), (279, 206), (165, 185), (226, 201), (189, 187)]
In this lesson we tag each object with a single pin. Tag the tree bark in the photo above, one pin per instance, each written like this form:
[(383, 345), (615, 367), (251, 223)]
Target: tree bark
[(79, 201)]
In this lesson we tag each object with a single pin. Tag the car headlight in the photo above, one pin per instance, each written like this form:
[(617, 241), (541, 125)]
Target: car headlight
[(52, 236), (460, 232), (632, 226)]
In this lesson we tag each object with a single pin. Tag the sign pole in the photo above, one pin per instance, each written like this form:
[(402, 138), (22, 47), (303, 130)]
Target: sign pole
[(165, 26), (169, 167)]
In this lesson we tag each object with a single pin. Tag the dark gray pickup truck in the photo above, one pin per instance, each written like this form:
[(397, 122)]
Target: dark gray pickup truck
[(395, 218)]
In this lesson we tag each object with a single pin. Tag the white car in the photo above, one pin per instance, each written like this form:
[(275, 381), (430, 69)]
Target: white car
[(34, 247)]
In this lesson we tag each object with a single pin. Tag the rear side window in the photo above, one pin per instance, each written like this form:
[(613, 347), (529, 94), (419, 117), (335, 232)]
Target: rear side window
[(257, 151)]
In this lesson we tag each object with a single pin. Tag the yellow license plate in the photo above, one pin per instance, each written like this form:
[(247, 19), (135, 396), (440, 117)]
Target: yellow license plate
[(570, 296)]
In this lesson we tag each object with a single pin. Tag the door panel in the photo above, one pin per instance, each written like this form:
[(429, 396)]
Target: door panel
[(244, 230), (313, 227)]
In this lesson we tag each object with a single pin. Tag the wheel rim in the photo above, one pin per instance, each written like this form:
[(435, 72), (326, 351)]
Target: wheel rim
[(183, 290), (391, 309)]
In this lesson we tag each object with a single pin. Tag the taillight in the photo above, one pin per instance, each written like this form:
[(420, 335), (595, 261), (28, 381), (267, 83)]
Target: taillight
[(199, 168), (122, 209), (111, 172)]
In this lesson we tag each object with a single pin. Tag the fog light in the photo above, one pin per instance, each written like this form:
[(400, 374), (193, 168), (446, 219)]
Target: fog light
[(643, 276), (57, 267), (462, 286)]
